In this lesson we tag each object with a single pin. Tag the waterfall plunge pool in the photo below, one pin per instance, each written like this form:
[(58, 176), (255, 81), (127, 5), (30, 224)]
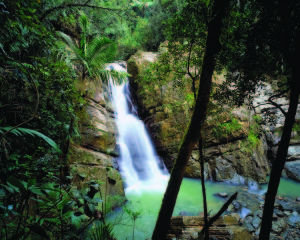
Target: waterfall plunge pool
[(189, 202)]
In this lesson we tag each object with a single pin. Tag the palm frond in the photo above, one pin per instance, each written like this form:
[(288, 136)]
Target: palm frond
[(22, 131), (102, 50), (84, 23)]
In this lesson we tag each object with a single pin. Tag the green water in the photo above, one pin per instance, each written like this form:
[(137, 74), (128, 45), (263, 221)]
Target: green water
[(188, 201), (287, 187), (148, 203)]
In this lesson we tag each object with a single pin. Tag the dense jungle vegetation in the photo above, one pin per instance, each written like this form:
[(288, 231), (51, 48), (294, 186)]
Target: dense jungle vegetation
[(50, 49)]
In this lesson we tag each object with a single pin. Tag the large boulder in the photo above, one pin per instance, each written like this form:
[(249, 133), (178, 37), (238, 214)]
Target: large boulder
[(292, 170)]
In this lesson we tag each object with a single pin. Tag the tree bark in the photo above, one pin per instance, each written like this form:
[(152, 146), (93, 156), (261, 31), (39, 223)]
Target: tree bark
[(280, 159), (192, 135)]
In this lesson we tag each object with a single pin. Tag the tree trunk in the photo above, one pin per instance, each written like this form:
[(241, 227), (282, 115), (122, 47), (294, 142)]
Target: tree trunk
[(192, 135), (280, 159)]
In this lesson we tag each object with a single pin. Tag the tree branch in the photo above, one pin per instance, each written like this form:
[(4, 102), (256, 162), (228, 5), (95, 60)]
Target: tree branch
[(270, 101), (278, 106), (280, 94), (218, 214), (189, 72), (70, 5)]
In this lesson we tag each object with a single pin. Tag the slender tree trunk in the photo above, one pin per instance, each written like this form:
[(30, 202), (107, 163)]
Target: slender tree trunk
[(193, 132), (203, 187), (280, 159)]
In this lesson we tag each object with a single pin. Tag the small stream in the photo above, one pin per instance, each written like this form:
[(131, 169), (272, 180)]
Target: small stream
[(146, 179)]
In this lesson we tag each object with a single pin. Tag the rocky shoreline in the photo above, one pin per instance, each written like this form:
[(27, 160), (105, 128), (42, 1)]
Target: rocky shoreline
[(248, 210), (242, 219)]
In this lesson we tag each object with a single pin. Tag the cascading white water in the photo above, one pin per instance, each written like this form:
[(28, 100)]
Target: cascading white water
[(138, 159)]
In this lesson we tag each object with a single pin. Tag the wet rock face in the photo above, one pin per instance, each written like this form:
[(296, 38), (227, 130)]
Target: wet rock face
[(95, 157)]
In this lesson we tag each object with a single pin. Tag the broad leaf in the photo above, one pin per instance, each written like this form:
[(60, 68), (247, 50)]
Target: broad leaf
[(16, 183), (31, 182), (68, 206)]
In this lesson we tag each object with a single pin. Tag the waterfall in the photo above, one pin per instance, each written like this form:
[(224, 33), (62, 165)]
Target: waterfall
[(138, 159)]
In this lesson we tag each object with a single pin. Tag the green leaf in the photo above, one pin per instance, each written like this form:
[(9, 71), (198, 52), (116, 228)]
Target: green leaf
[(16, 183), (38, 200), (10, 188), (67, 207), (76, 218), (31, 182), (2, 193), (82, 176), (36, 190)]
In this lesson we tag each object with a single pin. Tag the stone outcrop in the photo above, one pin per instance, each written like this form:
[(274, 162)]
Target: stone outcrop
[(94, 158)]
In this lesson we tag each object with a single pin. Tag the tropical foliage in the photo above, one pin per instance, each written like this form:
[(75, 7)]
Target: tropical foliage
[(49, 50), (87, 56), (50, 211)]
